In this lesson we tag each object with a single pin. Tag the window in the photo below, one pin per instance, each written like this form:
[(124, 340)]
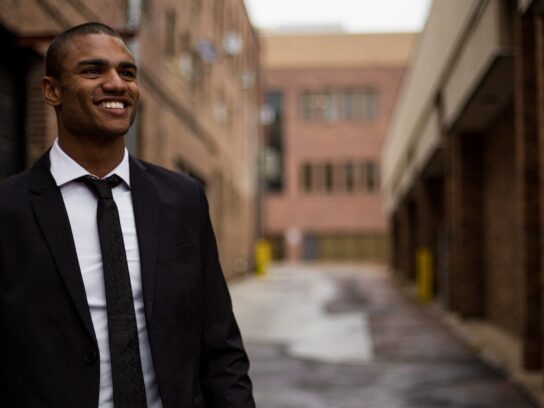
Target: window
[(349, 177), (349, 97), (218, 18), (339, 177), (370, 104), (361, 104), (333, 105), (306, 106), (371, 177), (273, 133), (319, 105), (307, 178), (329, 178), (318, 177), (170, 40), (358, 106)]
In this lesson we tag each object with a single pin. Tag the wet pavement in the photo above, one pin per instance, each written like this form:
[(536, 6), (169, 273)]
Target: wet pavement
[(345, 337)]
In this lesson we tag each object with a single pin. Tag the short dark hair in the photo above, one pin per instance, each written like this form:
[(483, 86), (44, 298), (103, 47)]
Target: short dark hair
[(53, 57)]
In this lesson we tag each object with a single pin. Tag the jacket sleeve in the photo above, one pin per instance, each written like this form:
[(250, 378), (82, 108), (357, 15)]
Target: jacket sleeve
[(224, 364)]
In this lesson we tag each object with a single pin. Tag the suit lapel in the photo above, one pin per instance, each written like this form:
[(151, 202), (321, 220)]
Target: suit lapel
[(50, 212), (146, 213)]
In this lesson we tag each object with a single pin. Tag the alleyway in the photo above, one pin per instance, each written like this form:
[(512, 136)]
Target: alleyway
[(344, 337)]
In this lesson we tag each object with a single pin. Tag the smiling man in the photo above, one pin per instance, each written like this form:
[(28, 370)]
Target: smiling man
[(111, 292)]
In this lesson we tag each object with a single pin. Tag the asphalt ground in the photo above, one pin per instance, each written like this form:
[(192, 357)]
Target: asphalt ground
[(343, 336)]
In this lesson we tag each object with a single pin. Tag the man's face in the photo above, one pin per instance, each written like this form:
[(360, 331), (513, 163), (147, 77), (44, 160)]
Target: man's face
[(98, 88)]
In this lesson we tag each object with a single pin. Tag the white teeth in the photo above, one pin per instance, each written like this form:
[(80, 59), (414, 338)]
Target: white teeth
[(112, 105)]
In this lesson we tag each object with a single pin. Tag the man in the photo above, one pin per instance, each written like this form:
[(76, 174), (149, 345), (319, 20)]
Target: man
[(111, 292)]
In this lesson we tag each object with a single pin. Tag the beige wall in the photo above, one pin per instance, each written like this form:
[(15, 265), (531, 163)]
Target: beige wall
[(458, 47), (336, 50), (436, 50)]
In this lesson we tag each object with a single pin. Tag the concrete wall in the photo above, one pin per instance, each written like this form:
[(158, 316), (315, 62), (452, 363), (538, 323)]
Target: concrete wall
[(427, 70)]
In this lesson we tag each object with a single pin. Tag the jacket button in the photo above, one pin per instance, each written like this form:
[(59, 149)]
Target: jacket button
[(90, 357)]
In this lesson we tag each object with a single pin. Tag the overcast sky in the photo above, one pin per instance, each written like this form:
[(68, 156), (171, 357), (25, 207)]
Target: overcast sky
[(351, 15)]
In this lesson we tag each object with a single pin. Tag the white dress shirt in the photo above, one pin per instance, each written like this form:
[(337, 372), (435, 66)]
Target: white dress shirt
[(81, 205)]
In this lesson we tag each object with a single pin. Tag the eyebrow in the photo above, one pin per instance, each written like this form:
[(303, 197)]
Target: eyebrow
[(126, 64), (102, 62)]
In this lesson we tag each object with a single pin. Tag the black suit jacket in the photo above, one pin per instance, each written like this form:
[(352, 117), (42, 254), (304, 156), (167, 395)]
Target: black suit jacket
[(48, 349)]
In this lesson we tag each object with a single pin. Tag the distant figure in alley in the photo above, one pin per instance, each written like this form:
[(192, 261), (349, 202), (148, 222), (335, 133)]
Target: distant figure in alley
[(111, 291)]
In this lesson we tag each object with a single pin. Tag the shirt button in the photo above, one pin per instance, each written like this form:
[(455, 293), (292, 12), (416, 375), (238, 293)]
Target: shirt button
[(90, 357)]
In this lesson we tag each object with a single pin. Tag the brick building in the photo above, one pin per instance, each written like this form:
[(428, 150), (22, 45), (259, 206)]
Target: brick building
[(199, 83), (462, 166), (329, 99)]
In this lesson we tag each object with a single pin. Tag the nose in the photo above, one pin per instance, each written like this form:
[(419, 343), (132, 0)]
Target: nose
[(113, 82)]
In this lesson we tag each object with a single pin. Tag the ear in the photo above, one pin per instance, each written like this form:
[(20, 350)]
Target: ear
[(51, 91)]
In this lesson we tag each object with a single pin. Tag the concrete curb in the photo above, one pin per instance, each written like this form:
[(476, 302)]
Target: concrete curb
[(495, 347)]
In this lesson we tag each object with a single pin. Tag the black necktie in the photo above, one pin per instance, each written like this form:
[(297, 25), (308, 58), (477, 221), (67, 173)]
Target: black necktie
[(126, 367)]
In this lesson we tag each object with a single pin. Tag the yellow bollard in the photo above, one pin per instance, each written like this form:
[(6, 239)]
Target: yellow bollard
[(262, 257), (424, 270)]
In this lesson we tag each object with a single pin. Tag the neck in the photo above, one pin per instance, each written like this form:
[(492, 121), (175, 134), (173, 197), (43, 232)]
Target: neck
[(97, 157)]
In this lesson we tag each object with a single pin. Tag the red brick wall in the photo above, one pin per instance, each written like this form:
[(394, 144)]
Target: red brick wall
[(527, 31), (465, 221), (503, 274), (30, 17), (335, 142), (40, 118), (179, 128)]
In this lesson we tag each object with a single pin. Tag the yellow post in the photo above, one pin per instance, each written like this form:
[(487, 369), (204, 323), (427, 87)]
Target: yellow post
[(262, 256), (424, 270)]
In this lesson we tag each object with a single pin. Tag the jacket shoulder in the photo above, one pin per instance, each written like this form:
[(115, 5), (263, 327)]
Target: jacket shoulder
[(14, 186), (165, 178)]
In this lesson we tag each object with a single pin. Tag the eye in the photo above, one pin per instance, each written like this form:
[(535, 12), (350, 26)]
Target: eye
[(91, 71), (128, 74)]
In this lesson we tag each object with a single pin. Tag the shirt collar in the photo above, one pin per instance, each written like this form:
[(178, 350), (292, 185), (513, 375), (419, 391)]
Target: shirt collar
[(64, 169)]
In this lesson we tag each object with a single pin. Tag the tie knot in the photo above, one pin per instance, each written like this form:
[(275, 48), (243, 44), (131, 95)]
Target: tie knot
[(101, 187)]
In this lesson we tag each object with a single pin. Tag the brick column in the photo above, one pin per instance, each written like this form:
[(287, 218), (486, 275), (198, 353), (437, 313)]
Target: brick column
[(428, 201), (539, 297), (527, 180), (465, 223), (41, 122), (412, 241), (406, 239), (429, 197), (394, 242)]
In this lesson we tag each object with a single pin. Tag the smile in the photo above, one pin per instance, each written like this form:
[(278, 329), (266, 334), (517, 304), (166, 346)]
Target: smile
[(112, 105)]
